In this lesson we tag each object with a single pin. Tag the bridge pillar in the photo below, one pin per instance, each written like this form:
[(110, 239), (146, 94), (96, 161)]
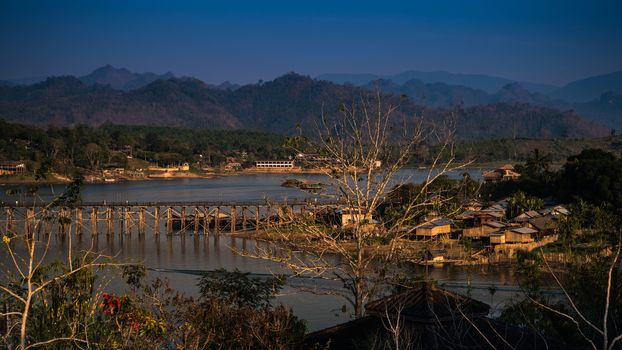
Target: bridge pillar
[(233, 219), (94, 221)]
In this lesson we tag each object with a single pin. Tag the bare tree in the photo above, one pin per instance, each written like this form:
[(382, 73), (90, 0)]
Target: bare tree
[(603, 339), (27, 277), (367, 144)]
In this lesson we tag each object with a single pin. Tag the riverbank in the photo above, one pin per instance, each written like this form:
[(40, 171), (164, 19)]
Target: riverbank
[(30, 179)]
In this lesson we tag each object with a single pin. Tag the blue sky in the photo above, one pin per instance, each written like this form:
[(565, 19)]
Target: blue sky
[(243, 41)]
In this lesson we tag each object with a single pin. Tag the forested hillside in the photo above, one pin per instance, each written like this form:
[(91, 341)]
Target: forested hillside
[(277, 106)]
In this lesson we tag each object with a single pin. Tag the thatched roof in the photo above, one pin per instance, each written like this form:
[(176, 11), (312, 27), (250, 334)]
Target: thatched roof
[(427, 303), (430, 318)]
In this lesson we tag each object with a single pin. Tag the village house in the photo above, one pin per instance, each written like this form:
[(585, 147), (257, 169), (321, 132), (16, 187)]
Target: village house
[(520, 235), (316, 160), (526, 216), (473, 205), (171, 168), (433, 229), (12, 167), (482, 230), (504, 173), (513, 235), (353, 216), (555, 211), (231, 163)]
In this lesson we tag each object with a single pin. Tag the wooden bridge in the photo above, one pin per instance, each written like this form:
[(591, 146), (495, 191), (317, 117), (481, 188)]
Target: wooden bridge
[(155, 217)]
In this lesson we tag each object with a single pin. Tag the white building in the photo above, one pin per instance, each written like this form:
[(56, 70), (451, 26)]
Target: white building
[(274, 164)]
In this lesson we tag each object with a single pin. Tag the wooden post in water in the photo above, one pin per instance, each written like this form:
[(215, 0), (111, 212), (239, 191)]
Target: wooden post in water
[(62, 217), (141, 221), (94, 221), (206, 220), (182, 219), (9, 219), (126, 221), (169, 221), (30, 218), (217, 220), (156, 221), (243, 218), (78, 221), (45, 217), (109, 221), (197, 220), (257, 218), (233, 219)]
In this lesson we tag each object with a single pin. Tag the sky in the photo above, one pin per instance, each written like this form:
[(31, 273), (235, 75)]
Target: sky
[(551, 42)]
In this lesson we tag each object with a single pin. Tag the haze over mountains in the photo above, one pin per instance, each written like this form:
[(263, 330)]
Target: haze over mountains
[(117, 95)]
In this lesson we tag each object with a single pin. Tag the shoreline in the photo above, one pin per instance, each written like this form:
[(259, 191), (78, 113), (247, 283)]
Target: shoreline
[(56, 179)]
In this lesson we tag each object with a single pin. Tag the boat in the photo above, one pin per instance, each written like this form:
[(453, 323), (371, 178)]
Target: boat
[(310, 185), (291, 183)]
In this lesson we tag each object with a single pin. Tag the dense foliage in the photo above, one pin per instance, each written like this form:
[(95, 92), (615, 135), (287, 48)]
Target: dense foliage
[(65, 148), (74, 312)]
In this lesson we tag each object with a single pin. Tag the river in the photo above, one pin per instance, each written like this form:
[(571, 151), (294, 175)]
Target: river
[(179, 258)]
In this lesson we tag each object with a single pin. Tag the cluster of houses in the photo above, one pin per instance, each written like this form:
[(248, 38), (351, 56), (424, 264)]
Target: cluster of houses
[(503, 173), (170, 168), (12, 167), (492, 226)]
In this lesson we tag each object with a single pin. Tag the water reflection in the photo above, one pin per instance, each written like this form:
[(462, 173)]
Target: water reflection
[(181, 259)]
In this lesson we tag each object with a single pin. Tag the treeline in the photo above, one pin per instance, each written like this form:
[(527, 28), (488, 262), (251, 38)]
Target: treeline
[(589, 182), (64, 149), (521, 149)]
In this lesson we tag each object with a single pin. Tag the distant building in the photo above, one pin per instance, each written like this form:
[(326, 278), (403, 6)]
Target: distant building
[(233, 166), (316, 160), (434, 228), (269, 164), (183, 167), (504, 173), (353, 216), (513, 235), (12, 167)]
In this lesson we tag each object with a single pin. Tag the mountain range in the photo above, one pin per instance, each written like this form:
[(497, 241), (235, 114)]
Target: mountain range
[(278, 106), (605, 107), (487, 83)]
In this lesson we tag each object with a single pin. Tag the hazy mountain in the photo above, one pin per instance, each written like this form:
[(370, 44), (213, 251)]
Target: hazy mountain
[(489, 84), (276, 106), (227, 85), (121, 78), (515, 92), (26, 81), (607, 110), (591, 88), (433, 94)]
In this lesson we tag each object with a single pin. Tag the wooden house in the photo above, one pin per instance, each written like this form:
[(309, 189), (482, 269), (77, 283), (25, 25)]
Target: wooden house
[(505, 173), (526, 216), (353, 216), (497, 238), (434, 228), (483, 230), (520, 235)]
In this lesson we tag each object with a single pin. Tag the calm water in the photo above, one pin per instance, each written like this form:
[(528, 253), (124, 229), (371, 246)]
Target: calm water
[(179, 258), (247, 187)]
